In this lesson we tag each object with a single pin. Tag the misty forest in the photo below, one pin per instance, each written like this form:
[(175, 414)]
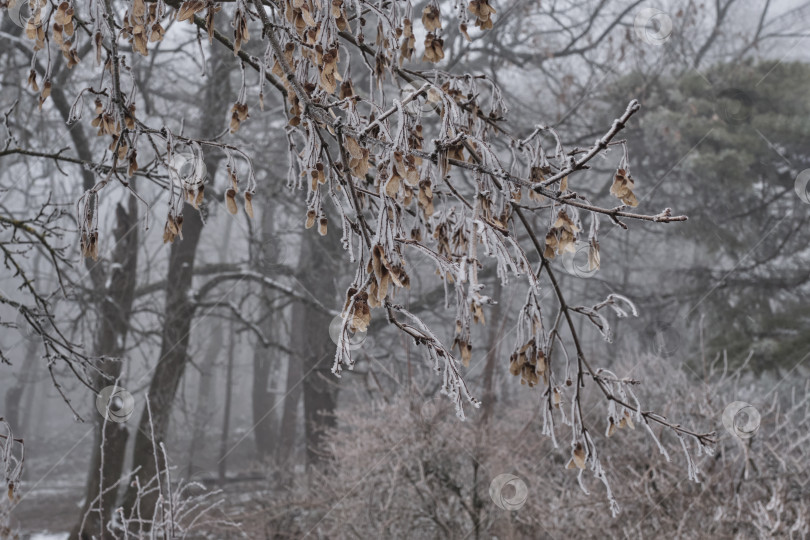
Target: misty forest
[(407, 269)]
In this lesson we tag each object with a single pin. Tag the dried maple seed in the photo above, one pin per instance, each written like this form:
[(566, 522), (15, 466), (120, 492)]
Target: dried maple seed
[(622, 188), (230, 201)]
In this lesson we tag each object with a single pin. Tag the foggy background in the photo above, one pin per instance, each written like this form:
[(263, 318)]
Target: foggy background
[(279, 447)]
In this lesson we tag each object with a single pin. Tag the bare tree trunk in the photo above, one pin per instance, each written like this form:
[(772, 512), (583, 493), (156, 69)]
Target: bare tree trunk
[(309, 371), (32, 384), (14, 395), (14, 408), (292, 395), (205, 395), (226, 411), (312, 341), (263, 401), (172, 363), (115, 308)]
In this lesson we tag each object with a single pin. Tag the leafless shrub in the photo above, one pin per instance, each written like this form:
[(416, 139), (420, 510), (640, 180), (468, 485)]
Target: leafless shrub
[(399, 472)]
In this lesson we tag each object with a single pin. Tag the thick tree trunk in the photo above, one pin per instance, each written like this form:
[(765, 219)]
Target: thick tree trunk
[(14, 395), (292, 396), (14, 408), (309, 371), (317, 268), (205, 396), (171, 364), (11, 402), (263, 402)]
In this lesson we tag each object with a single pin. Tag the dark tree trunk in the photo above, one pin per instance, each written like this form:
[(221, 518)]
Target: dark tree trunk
[(264, 358), (317, 271), (262, 400), (226, 412), (14, 395), (11, 412), (309, 370), (27, 417), (14, 408), (205, 395), (171, 364), (292, 396)]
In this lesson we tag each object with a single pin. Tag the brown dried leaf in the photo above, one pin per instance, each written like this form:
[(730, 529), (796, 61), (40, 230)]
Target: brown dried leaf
[(311, 215), (230, 201), (249, 204), (239, 113), (433, 49), (392, 187), (463, 29), (578, 456), (483, 13), (89, 245), (361, 314), (622, 188), (431, 18), (353, 147)]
